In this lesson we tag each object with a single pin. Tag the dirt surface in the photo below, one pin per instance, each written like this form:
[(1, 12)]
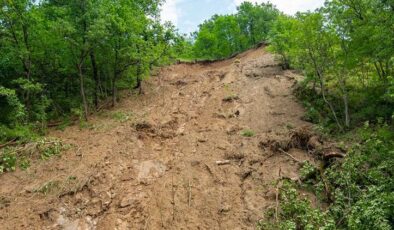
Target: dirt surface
[(173, 158)]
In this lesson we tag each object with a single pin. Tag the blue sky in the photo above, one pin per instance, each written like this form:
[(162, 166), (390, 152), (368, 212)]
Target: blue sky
[(188, 14)]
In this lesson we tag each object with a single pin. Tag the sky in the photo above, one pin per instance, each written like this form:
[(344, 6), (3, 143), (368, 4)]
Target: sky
[(186, 15)]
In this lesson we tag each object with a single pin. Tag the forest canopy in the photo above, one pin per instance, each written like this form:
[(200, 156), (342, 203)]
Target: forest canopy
[(225, 35), (68, 58)]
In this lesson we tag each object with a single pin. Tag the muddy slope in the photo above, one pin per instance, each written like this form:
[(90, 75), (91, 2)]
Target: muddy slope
[(174, 160)]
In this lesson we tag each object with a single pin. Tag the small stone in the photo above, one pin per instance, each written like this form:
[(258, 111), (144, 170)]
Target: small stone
[(225, 208), (95, 200), (158, 148), (181, 130), (127, 201), (126, 177), (78, 197), (202, 140)]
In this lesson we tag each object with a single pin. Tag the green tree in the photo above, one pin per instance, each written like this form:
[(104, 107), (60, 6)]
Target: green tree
[(256, 21), (64, 58)]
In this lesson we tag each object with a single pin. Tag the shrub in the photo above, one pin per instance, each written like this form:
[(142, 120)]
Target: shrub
[(247, 133), (358, 191), (21, 133)]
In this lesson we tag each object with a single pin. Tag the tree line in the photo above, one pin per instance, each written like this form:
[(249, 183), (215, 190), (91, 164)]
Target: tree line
[(224, 35), (344, 49), (68, 57), (346, 52)]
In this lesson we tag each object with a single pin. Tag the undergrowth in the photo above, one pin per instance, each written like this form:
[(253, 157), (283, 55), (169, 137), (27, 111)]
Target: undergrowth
[(354, 193), (122, 116), (21, 155)]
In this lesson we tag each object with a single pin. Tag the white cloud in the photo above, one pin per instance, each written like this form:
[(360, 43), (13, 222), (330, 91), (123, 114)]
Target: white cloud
[(290, 6), (169, 12)]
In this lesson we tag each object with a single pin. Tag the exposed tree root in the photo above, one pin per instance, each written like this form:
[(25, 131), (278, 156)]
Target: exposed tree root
[(306, 140)]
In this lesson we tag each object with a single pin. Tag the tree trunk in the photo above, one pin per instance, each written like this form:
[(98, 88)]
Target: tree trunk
[(347, 115), (345, 98), (139, 80), (95, 77), (113, 90), (378, 71), (84, 101), (322, 86)]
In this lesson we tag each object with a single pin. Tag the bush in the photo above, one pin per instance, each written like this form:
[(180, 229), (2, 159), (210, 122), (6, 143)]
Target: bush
[(297, 213), (359, 191), (12, 110), (21, 133)]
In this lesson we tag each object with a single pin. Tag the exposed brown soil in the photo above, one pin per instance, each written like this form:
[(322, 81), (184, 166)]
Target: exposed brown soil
[(177, 161)]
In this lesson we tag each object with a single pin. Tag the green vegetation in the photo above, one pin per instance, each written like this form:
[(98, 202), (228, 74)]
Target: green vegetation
[(247, 133), (346, 53), (20, 156), (358, 191), (225, 35), (122, 116), (63, 59), (7, 161)]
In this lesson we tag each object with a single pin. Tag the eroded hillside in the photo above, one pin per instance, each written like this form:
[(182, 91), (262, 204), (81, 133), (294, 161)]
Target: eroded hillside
[(185, 155)]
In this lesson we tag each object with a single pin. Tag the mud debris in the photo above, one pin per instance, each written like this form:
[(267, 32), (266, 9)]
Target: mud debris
[(180, 162)]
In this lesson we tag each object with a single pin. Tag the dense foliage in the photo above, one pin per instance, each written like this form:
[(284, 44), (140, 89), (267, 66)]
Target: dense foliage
[(359, 191), (225, 35), (346, 51), (62, 58)]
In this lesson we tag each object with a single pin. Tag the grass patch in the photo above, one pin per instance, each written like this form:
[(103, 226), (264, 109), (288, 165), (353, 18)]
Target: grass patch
[(248, 133), (122, 116)]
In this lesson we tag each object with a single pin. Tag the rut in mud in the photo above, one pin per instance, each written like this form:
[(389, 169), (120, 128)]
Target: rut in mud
[(177, 161)]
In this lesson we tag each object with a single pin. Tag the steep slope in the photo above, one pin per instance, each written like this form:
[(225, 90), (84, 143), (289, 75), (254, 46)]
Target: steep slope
[(176, 161)]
